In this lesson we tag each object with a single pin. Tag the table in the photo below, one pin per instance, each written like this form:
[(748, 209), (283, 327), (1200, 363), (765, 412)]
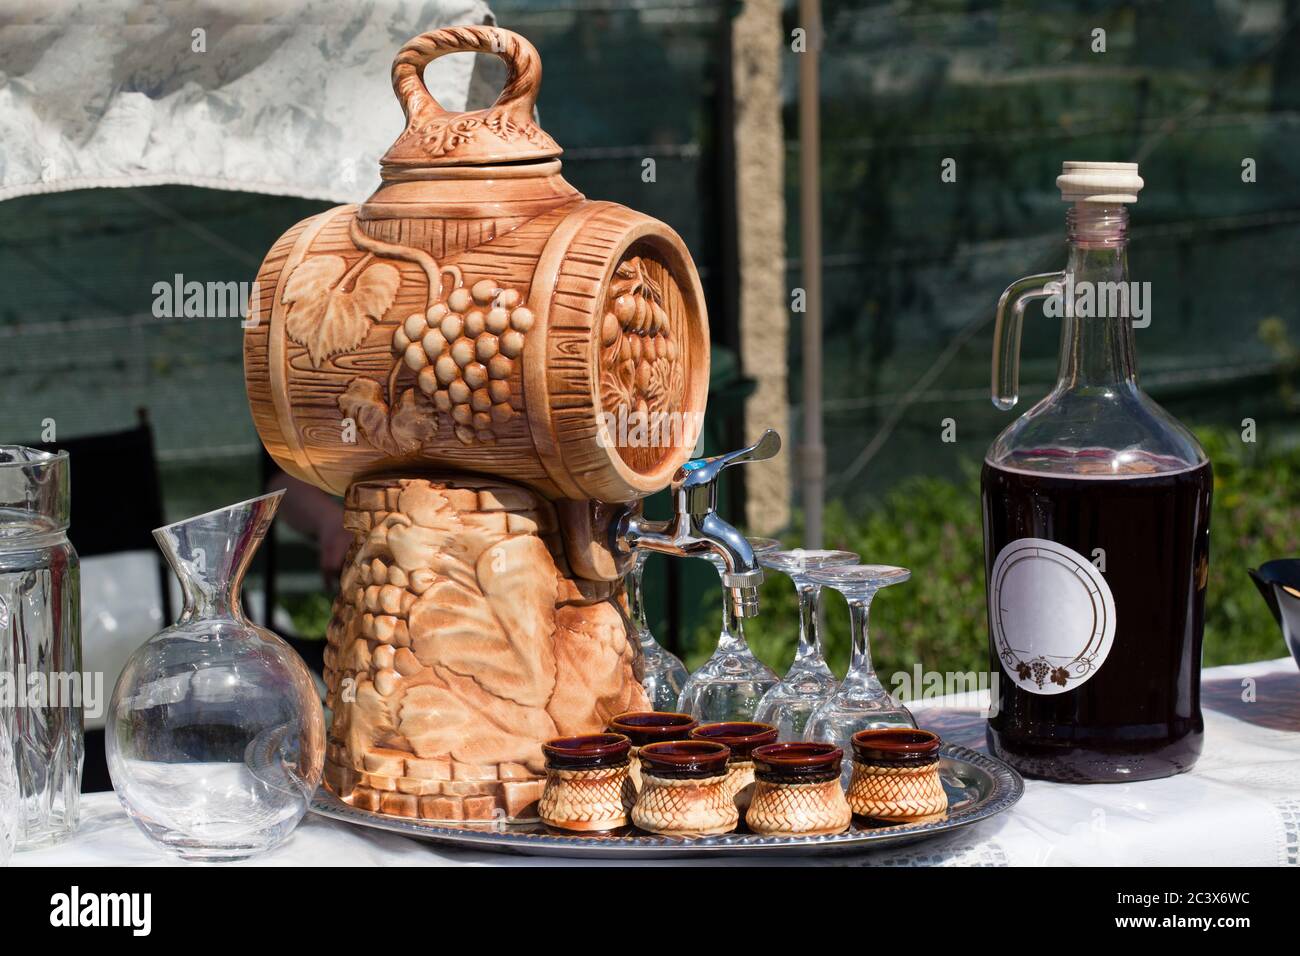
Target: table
[(1239, 806)]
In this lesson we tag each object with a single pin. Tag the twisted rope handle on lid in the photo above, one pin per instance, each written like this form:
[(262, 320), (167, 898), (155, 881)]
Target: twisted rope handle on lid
[(523, 65)]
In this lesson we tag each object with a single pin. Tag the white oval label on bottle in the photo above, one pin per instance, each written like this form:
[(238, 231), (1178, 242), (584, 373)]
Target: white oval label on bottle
[(1052, 615)]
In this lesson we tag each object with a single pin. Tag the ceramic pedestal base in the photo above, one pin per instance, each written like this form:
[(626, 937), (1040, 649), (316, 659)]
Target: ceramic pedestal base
[(460, 640)]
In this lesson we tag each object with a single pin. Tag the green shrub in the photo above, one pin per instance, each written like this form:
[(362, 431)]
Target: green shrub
[(309, 611)]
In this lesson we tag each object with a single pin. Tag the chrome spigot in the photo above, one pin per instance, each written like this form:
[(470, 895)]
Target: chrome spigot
[(696, 530)]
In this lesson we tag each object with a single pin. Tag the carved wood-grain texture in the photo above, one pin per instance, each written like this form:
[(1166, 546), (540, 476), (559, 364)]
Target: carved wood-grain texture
[(562, 265)]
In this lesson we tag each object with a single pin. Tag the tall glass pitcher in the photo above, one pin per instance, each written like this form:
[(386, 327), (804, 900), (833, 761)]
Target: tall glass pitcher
[(40, 642), (1096, 525)]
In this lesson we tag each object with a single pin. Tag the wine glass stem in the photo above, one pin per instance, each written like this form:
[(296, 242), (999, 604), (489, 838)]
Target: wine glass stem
[(732, 637), (810, 641), (635, 604), (860, 665)]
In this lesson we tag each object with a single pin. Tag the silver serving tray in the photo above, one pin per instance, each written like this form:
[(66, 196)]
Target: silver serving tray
[(978, 787)]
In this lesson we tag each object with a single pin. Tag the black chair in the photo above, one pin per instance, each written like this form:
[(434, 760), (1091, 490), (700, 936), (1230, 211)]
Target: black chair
[(311, 650), (116, 504)]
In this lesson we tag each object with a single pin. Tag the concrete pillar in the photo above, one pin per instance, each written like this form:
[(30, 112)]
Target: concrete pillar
[(757, 45)]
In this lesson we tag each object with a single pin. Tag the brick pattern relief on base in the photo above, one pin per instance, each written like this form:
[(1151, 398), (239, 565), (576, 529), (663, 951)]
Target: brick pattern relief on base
[(460, 641)]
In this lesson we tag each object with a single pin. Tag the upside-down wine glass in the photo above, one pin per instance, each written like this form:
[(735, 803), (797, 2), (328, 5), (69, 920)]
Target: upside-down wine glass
[(861, 701), (729, 685), (663, 674), (809, 681)]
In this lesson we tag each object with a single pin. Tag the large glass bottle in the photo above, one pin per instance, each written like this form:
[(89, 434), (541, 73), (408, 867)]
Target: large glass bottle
[(1096, 526)]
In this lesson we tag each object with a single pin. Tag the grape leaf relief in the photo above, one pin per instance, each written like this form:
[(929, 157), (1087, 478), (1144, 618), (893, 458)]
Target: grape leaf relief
[(326, 315)]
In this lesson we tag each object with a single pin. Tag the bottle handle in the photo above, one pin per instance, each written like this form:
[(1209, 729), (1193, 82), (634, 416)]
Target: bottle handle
[(523, 66), (1007, 329)]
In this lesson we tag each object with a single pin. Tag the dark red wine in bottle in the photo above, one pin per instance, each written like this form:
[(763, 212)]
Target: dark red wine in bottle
[(1096, 527), (1096, 609)]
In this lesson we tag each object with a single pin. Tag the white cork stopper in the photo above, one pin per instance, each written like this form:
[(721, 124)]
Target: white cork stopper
[(1099, 182)]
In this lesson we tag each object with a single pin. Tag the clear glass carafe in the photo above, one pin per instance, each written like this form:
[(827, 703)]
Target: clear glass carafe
[(40, 642), (215, 736), (1096, 521)]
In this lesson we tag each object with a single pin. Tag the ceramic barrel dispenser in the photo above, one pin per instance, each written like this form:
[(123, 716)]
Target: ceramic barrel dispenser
[(493, 370)]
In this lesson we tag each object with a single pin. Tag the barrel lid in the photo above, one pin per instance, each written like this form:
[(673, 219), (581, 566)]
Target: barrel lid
[(505, 132)]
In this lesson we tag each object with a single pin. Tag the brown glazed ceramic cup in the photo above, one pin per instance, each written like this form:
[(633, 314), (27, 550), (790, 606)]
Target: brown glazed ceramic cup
[(650, 727), (741, 737), (684, 789), (797, 790), (587, 783), (896, 776)]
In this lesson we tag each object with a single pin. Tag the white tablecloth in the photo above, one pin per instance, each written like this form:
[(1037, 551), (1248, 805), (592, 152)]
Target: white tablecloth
[(1240, 806)]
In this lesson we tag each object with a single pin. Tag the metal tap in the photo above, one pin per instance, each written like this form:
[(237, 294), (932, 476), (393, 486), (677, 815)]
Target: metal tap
[(696, 530)]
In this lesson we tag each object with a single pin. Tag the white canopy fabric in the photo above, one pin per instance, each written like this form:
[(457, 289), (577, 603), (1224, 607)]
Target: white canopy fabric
[(269, 96), (273, 96)]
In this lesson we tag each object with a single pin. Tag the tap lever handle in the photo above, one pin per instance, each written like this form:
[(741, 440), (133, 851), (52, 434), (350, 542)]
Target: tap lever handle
[(705, 471)]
